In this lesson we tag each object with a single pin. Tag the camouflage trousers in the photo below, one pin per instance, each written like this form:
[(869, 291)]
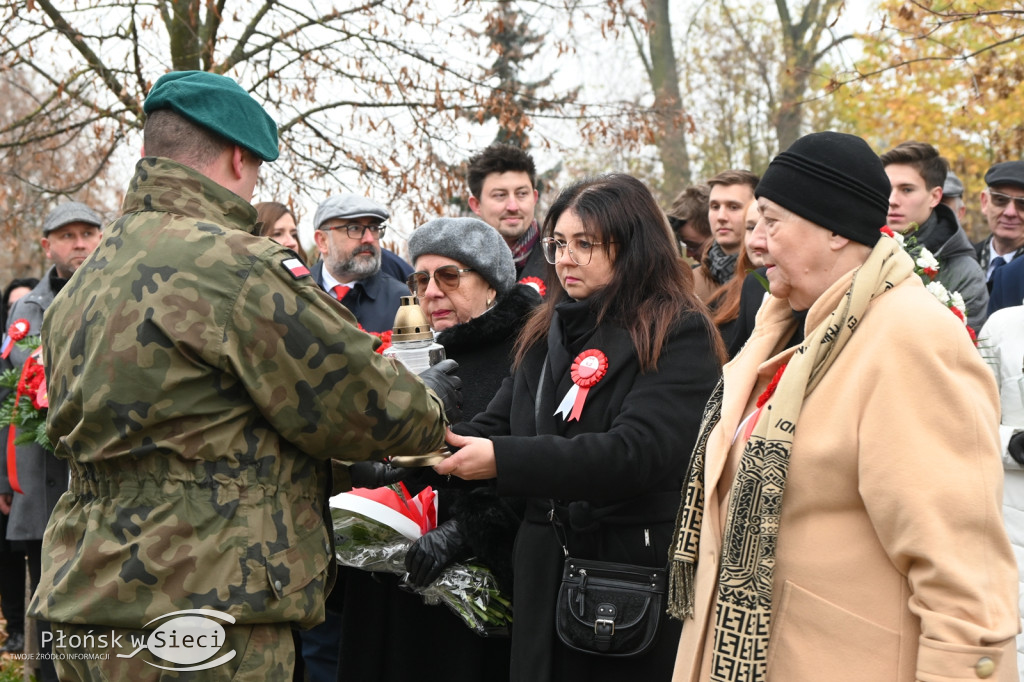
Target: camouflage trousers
[(261, 652)]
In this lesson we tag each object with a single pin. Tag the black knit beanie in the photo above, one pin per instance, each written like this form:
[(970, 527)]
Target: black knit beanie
[(833, 180)]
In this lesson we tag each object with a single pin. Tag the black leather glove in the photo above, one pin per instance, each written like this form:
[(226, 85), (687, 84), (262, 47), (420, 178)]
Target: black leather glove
[(374, 474), (1016, 447), (433, 552), (443, 381)]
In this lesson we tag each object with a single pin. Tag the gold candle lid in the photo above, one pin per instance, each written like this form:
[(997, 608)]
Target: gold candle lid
[(411, 323)]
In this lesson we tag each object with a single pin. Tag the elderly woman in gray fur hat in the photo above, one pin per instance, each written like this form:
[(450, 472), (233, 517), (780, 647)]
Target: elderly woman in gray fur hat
[(465, 281)]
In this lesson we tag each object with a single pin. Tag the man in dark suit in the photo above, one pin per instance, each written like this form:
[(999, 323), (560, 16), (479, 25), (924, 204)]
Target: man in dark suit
[(1007, 286)]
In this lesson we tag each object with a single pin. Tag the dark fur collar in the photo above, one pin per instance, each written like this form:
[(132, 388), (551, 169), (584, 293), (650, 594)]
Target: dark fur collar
[(501, 322)]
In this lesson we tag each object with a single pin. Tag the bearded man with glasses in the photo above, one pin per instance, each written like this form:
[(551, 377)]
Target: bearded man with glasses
[(349, 229)]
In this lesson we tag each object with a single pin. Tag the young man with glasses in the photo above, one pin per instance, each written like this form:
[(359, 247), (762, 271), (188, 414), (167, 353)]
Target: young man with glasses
[(349, 229), (1002, 203)]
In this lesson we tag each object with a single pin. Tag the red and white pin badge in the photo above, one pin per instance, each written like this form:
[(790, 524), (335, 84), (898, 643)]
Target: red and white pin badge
[(16, 332), (588, 368)]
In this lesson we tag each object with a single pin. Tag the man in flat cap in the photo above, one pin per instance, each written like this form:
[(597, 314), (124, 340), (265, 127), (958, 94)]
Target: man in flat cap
[(1002, 203), (348, 233), (835, 526), (31, 484), (953, 195), (199, 384)]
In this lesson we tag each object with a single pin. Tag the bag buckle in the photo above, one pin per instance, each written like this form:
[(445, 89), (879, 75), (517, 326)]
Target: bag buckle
[(604, 623)]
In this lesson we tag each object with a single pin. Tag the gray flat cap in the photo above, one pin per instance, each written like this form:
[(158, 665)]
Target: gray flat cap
[(953, 187), (471, 242), (348, 206), (70, 212)]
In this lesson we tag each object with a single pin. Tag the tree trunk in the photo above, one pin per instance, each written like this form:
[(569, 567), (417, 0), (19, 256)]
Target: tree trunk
[(664, 73), (182, 22)]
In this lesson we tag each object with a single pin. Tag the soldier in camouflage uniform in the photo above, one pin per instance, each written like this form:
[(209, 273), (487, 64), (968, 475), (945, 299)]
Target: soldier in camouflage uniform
[(200, 386)]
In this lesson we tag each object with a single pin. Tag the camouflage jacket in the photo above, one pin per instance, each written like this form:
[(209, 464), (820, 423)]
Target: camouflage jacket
[(199, 389)]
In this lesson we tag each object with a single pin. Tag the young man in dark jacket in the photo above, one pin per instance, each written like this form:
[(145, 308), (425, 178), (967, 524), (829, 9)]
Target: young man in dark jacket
[(917, 173)]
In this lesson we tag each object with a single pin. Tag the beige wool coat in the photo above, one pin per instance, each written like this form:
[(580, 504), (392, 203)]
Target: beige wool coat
[(892, 561)]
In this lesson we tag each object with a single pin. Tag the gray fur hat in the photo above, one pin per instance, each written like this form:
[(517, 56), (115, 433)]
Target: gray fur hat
[(471, 242)]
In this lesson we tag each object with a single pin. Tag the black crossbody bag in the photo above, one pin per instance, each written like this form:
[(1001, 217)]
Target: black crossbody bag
[(606, 608), (609, 609)]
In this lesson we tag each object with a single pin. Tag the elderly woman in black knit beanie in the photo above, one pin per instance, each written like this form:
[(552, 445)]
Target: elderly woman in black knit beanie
[(841, 519)]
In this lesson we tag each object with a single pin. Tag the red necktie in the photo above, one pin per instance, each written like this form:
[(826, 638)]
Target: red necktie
[(340, 290)]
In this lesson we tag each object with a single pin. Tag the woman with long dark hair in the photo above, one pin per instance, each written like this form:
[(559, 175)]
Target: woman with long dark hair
[(598, 466), (280, 225)]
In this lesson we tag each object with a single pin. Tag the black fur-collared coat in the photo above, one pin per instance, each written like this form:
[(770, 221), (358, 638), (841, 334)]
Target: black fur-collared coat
[(389, 633)]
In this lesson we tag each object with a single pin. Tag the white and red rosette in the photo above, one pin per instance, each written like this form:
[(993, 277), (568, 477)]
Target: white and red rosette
[(16, 332), (535, 282), (587, 369)]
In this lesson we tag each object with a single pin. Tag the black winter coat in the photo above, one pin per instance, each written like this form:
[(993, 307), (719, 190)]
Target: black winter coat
[(630, 448), (389, 633)]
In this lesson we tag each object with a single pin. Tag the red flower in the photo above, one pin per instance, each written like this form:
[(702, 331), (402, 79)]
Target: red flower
[(32, 377), (887, 231), (40, 400), (957, 312), (974, 337), (931, 272), (537, 283), (385, 338)]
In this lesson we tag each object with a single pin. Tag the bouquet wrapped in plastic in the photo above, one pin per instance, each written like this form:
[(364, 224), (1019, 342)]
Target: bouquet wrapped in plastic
[(373, 529)]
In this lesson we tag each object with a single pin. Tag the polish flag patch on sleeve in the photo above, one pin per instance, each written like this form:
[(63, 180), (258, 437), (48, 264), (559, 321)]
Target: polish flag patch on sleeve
[(296, 268)]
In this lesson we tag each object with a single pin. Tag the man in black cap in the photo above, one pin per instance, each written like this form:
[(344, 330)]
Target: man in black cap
[(348, 231), (1002, 203), (31, 484), (816, 540), (199, 384)]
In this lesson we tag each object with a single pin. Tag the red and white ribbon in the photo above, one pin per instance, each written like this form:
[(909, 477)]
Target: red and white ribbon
[(588, 368)]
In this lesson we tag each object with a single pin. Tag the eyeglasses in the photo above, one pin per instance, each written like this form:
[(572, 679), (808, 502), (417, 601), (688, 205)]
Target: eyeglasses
[(580, 250), (355, 230), (447, 278), (1000, 200)]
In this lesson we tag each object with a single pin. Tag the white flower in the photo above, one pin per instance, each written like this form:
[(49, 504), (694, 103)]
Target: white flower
[(939, 292), (925, 260), (957, 301), (898, 236)]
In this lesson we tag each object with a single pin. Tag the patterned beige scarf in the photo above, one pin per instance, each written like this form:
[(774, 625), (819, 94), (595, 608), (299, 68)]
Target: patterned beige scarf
[(743, 606)]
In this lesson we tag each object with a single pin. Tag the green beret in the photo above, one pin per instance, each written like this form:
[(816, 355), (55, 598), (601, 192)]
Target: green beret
[(219, 104)]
